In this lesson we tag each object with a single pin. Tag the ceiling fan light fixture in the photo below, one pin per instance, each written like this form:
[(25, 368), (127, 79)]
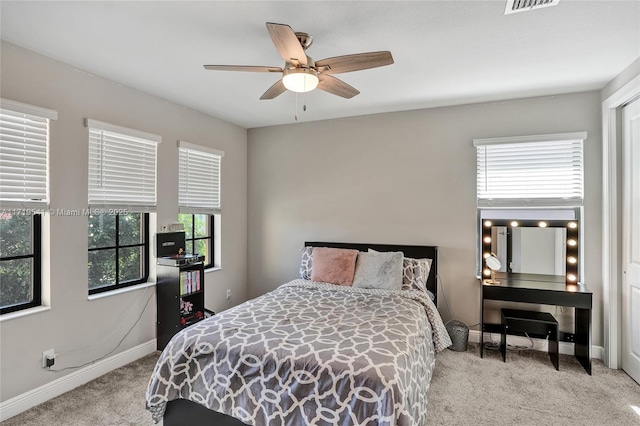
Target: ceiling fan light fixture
[(300, 79)]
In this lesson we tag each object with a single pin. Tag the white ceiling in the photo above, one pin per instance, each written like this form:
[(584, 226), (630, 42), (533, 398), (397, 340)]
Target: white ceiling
[(446, 52)]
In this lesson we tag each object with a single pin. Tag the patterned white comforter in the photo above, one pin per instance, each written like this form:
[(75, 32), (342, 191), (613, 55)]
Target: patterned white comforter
[(308, 354)]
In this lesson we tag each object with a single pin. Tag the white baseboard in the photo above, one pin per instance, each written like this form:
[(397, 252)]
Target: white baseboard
[(597, 352), (30, 399)]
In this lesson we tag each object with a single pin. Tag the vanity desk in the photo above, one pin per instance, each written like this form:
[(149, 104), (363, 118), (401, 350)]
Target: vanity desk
[(526, 289)]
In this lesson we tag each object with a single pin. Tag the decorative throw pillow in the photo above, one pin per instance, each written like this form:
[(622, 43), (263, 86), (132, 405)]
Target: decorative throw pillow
[(382, 270), (306, 263), (415, 273), (332, 265)]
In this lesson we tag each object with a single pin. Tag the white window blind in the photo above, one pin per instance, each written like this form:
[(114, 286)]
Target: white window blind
[(122, 167), (199, 179), (24, 154), (543, 170)]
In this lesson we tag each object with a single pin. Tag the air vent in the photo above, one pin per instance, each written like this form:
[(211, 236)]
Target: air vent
[(515, 6)]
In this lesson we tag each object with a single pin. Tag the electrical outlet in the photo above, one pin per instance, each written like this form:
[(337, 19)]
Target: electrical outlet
[(48, 358), (228, 293)]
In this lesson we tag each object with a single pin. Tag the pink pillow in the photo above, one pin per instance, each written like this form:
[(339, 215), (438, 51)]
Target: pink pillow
[(332, 265)]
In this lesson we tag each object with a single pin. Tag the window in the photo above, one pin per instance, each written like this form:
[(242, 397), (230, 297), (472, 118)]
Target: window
[(544, 170), (24, 195), (122, 192), (199, 197), (199, 230), (118, 250), (20, 261)]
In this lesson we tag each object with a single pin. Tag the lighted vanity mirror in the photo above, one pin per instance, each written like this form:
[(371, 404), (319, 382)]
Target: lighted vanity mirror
[(524, 250), (541, 249)]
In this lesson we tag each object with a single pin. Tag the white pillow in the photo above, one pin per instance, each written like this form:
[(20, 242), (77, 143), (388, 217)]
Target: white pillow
[(415, 273), (382, 270)]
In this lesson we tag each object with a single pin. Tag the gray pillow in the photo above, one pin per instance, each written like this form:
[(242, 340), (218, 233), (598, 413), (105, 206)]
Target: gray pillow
[(415, 274), (382, 270), (306, 263)]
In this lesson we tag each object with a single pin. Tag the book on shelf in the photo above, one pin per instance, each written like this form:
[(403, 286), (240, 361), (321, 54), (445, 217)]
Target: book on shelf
[(190, 282)]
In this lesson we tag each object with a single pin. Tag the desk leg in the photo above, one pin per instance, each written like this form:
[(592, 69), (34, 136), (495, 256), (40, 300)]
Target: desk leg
[(482, 323), (583, 338)]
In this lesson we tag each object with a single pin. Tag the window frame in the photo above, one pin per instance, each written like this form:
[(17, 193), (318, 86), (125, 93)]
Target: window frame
[(144, 261), (36, 271), (192, 240)]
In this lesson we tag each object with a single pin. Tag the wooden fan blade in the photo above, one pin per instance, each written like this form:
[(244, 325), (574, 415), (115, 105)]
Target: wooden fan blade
[(336, 86), (274, 91), (355, 62), (241, 68), (287, 43)]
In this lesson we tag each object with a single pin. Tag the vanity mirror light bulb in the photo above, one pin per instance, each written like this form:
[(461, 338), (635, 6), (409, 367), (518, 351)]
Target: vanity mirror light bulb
[(572, 243), (572, 260), (487, 223), (487, 272), (572, 225), (514, 223), (571, 277), (486, 255), (487, 239), (542, 224)]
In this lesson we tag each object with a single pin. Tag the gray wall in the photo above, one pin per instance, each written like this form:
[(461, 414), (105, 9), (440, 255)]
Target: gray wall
[(73, 321), (403, 178)]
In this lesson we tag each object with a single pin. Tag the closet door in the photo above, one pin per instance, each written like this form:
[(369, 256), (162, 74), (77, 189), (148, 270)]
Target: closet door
[(631, 241)]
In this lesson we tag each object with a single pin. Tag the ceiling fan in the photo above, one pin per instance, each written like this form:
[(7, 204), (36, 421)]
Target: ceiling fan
[(301, 73)]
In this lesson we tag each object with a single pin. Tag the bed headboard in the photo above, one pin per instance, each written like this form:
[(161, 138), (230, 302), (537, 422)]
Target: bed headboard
[(416, 252)]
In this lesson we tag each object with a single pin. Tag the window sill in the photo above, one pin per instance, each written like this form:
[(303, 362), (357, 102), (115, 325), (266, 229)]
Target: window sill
[(212, 269), (121, 290), (23, 313)]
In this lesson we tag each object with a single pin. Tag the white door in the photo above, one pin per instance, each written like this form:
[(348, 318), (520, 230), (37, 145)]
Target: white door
[(631, 241)]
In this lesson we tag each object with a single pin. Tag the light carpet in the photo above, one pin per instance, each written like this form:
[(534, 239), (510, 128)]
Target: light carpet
[(465, 390)]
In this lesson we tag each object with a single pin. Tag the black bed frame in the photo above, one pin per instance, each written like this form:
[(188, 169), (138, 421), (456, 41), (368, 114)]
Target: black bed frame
[(181, 411)]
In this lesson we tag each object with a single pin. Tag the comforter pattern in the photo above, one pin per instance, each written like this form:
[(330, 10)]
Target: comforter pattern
[(308, 354)]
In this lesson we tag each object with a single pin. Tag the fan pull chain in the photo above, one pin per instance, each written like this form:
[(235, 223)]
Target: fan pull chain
[(304, 105)]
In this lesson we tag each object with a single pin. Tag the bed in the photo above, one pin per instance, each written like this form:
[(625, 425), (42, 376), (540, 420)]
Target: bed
[(307, 353)]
